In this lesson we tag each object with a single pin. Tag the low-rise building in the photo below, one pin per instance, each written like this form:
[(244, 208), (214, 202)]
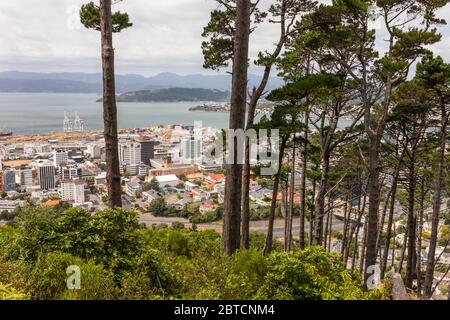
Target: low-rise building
[(11, 205), (150, 195), (167, 180), (133, 189)]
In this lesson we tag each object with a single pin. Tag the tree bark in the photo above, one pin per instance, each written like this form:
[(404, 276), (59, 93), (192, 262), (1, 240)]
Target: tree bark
[(363, 248), (361, 209), (109, 107), (269, 237), (291, 199), (330, 229), (382, 220), (349, 231), (419, 239), (327, 226), (319, 203), (402, 257), (410, 266), (390, 218), (256, 95), (303, 184), (233, 185), (311, 219), (438, 184)]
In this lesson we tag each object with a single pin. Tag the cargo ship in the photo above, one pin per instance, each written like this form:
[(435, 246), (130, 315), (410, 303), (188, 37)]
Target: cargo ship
[(5, 133)]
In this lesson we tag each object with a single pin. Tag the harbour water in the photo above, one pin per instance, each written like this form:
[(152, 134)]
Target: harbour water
[(40, 113)]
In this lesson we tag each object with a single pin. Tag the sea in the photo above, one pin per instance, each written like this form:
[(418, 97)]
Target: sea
[(41, 113)]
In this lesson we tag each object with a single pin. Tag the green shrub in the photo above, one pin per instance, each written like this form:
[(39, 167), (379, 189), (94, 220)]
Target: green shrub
[(97, 283), (119, 259), (47, 279), (146, 279), (9, 293), (308, 274)]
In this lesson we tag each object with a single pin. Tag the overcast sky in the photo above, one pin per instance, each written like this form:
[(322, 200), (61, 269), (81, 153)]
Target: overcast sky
[(45, 36)]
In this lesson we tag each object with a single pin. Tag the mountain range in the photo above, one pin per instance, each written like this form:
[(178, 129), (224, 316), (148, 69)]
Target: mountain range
[(77, 82)]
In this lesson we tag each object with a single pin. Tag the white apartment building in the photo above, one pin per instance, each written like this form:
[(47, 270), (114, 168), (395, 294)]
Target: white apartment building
[(130, 152), (60, 157), (73, 190), (94, 150), (190, 149)]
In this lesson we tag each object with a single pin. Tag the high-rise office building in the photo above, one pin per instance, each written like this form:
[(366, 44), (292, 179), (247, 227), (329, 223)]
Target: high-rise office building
[(26, 177), (9, 180), (147, 149), (190, 149), (46, 175)]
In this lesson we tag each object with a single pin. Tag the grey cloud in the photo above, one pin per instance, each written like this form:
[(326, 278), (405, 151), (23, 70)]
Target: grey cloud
[(44, 35)]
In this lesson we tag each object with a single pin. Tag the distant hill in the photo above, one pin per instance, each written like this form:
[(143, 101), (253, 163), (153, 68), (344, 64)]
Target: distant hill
[(48, 85), (174, 95), (15, 81)]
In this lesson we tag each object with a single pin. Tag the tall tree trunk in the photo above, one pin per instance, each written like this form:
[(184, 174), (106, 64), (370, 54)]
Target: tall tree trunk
[(402, 257), (327, 225), (269, 237), (363, 248), (349, 232), (382, 220), (291, 198), (438, 184), (361, 210), (319, 204), (344, 229), (374, 203), (285, 213), (246, 196), (256, 95), (303, 184), (394, 246), (311, 219), (390, 218), (109, 107), (419, 239), (233, 185), (330, 228), (410, 266)]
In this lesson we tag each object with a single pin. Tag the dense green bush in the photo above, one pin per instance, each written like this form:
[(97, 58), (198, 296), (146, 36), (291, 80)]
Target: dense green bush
[(311, 273), (106, 246), (119, 259)]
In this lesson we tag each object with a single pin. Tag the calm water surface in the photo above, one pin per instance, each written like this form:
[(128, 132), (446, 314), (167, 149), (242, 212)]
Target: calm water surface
[(35, 113)]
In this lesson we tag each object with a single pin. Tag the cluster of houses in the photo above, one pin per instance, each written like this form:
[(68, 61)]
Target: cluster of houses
[(206, 189)]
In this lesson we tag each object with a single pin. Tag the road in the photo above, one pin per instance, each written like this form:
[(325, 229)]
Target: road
[(255, 226)]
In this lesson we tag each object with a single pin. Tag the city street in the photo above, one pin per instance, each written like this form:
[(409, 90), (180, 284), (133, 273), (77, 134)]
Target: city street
[(256, 226)]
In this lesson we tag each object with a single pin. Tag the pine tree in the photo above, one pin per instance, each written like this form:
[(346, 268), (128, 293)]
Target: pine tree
[(100, 18)]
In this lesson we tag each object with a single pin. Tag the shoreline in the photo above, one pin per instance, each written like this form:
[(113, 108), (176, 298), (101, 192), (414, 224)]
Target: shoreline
[(60, 136)]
